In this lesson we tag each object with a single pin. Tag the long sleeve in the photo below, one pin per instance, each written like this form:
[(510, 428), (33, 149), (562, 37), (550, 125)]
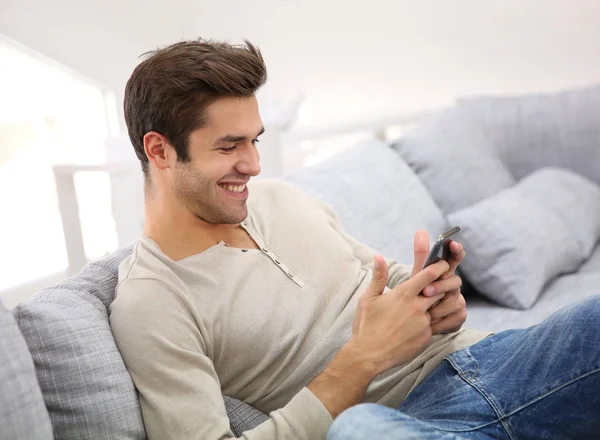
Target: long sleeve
[(164, 350)]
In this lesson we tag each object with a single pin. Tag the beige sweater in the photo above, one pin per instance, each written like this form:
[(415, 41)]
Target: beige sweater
[(254, 324)]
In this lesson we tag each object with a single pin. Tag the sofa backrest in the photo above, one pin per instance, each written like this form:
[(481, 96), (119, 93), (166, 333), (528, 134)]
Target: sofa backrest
[(533, 131)]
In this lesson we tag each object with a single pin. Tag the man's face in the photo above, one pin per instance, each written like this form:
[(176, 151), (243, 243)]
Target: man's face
[(223, 157)]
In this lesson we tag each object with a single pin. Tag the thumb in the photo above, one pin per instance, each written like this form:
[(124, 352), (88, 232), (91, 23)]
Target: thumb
[(380, 277)]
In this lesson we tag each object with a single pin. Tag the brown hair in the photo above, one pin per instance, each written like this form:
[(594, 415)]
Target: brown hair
[(169, 91)]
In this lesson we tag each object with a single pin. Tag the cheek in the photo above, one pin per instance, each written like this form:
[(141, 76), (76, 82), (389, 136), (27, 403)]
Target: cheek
[(190, 183)]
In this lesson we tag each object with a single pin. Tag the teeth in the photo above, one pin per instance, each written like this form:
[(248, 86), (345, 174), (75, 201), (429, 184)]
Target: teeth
[(232, 188)]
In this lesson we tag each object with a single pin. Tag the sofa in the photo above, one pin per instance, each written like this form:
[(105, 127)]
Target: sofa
[(520, 175)]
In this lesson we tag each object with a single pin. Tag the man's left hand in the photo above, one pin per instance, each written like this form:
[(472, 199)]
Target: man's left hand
[(450, 313)]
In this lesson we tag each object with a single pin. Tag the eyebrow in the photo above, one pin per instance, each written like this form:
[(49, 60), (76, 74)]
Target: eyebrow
[(231, 138)]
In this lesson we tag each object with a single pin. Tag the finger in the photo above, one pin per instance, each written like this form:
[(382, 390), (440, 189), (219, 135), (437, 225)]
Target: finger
[(443, 285), (421, 250), (427, 276), (450, 324), (451, 304), (457, 255), (380, 277), (429, 302)]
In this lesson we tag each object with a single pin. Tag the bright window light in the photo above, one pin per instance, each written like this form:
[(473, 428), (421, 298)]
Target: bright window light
[(48, 115)]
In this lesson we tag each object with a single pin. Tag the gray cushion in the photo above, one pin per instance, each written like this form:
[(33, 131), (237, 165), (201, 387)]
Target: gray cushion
[(570, 196), (592, 264), (22, 411), (534, 131), (86, 387), (486, 315), (523, 237), (455, 160), (379, 199), (242, 417)]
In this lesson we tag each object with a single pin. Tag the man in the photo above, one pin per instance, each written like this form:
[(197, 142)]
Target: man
[(255, 291)]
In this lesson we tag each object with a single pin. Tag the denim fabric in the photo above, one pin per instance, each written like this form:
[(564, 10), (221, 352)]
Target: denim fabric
[(539, 383)]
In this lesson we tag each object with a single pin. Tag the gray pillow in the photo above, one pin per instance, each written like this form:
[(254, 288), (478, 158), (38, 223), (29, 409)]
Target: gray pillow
[(540, 130), (87, 389), (573, 198), (23, 414), (523, 237), (379, 199), (455, 160)]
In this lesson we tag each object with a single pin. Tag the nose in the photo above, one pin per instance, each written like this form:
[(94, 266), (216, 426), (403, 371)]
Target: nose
[(249, 162)]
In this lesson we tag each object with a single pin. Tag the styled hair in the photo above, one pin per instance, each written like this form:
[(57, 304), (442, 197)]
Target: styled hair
[(169, 91)]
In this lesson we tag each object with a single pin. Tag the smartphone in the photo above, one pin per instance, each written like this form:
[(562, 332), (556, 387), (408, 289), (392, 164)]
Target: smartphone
[(441, 248)]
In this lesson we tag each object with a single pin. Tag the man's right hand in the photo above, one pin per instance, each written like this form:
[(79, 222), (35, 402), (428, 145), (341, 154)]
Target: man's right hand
[(390, 329), (387, 331)]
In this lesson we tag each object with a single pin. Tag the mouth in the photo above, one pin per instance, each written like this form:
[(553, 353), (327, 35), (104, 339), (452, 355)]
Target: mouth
[(237, 191)]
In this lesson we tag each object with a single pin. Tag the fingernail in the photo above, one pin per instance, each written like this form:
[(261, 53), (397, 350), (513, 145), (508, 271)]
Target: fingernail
[(428, 290), (377, 264)]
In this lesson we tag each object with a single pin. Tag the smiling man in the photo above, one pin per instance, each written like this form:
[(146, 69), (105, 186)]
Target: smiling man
[(255, 291)]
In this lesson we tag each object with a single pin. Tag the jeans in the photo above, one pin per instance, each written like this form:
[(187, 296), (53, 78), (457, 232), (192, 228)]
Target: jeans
[(537, 383)]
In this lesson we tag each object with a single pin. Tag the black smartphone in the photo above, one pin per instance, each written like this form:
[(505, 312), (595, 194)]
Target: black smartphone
[(441, 248)]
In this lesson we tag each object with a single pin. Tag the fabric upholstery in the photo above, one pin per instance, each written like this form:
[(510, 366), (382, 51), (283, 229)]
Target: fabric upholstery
[(22, 411), (564, 290), (85, 384), (86, 387), (592, 264), (570, 196), (523, 237), (454, 160), (539, 130), (242, 417), (379, 199)]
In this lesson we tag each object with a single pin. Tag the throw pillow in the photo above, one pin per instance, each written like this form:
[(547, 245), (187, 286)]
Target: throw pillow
[(87, 389), (455, 160), (23, 414), (521, 238), (379, 199)]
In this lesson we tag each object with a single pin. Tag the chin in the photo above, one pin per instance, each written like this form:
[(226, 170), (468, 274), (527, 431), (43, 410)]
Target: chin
[(233, 216)]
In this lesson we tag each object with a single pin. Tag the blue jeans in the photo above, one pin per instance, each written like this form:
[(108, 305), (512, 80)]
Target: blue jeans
[(537, 383)]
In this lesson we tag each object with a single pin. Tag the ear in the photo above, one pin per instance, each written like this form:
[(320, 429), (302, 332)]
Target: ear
[(159, 151)]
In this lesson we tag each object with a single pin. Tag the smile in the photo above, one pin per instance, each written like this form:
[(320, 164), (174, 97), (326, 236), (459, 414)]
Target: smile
[(234, 188)]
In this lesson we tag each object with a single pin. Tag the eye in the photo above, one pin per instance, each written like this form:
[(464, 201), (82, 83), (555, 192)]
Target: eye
[(228, 150), (255, 141)]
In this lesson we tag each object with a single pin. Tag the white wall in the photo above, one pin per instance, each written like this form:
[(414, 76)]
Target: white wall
[(352, 60)]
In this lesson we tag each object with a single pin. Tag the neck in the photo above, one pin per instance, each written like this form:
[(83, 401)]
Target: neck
[(177, 231)]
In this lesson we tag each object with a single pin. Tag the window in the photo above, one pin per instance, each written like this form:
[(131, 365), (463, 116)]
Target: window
[(48, 116)]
